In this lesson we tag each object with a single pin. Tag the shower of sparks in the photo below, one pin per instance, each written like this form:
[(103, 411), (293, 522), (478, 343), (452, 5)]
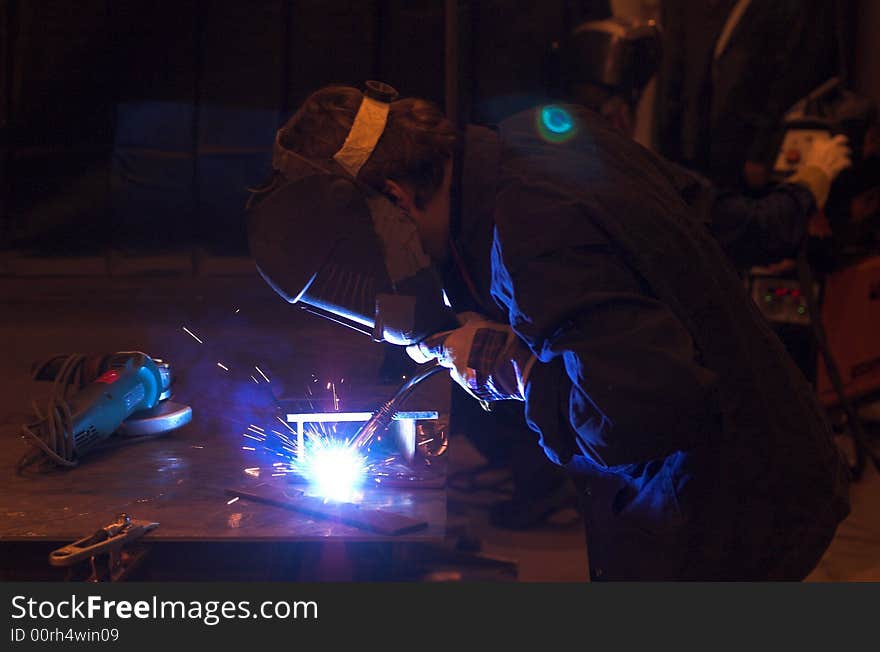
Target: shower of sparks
[(262, 374), (193, 335), (233, 500), (223, 366)]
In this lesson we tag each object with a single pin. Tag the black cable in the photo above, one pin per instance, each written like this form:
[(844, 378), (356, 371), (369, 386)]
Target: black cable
[(863, 448), (51, 435)]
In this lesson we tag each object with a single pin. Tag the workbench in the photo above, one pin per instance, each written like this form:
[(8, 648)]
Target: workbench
[(182, 479)]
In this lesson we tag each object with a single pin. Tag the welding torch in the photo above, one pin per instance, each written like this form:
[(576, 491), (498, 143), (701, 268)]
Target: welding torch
[(383, 416)]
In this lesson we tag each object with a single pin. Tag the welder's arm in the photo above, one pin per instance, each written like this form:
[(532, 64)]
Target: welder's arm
[(618, 378), (760, 230), (764, 230)]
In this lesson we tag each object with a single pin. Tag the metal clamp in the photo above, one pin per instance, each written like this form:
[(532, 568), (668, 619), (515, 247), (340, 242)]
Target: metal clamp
[(104, 551)]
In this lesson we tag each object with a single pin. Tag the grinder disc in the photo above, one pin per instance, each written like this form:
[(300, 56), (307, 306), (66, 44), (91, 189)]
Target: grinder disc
[(166, 416)]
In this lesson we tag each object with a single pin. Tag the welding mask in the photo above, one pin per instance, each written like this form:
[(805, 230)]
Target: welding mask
[(329, 243), (617, 55)]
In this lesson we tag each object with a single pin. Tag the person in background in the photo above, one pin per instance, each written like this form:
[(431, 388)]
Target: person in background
[(606, 65), (730, 70)]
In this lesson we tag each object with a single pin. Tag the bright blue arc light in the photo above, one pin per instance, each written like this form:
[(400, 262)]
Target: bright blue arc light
[(557, 119)]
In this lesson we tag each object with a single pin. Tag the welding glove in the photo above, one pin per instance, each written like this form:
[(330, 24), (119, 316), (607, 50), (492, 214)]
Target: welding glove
[(486, 358), (821, 164)]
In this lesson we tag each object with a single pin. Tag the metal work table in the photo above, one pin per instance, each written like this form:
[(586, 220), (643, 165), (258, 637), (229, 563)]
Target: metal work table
[(181, 479)]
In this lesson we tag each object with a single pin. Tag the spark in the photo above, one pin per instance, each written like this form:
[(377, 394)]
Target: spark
[(248, 448), (262, 374), (256, 429), (193, 335), (286, 425), (234, 500), (253, 471), (237, 310), (427, 441), (223, 366), (255, 380), (244, 434), (331, 386)]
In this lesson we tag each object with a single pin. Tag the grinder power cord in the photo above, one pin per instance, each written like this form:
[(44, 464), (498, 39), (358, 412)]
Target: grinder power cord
[(95, 396)]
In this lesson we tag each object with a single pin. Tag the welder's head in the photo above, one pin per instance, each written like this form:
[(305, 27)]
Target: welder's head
[(337, 229), (606, 65)]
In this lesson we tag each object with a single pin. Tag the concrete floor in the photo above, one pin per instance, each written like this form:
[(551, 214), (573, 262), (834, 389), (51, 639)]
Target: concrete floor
[(45, 316)]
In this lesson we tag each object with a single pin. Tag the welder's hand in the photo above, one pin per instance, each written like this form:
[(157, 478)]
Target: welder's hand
[(821, 164), (486, 358)]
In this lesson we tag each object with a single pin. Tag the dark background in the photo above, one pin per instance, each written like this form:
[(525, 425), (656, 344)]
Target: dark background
[(137, 125)]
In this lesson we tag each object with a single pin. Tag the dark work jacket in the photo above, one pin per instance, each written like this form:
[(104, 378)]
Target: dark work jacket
[(700, 444)]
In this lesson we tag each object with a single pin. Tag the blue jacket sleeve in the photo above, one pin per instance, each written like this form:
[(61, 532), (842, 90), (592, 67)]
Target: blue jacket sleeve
[(765, 229), (752, 230)]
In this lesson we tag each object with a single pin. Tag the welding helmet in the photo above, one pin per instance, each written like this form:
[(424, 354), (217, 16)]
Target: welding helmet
[(324, 240), (616, 54)]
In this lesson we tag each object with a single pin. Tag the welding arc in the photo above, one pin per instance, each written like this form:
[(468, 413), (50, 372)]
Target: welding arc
[(382, 417)]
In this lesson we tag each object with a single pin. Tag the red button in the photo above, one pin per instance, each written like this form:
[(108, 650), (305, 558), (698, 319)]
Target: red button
[(108, 377)]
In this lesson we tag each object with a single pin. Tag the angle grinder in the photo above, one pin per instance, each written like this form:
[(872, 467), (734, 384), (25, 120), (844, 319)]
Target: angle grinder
[(95, 396)]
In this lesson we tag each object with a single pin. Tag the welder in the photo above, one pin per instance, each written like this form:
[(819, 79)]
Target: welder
[(602, 303)]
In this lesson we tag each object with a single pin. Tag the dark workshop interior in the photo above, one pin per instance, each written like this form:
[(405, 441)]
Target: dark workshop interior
[(656, 290)]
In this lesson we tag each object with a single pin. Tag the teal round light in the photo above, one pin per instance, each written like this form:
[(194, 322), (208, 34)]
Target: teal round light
[(557, 120)]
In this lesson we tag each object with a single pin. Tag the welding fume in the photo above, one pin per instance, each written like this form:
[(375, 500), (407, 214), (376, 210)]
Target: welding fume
[(584, 284)]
